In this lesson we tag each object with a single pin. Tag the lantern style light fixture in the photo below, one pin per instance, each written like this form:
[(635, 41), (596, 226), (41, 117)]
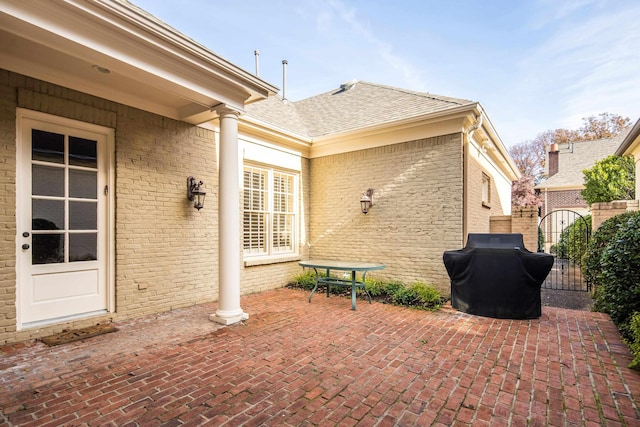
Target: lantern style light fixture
[(195, 192), (366, 201)]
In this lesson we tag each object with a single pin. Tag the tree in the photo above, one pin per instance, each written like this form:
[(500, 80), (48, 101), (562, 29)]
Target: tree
[(606, 126), (612, 178), (529, 157), (523, 193)]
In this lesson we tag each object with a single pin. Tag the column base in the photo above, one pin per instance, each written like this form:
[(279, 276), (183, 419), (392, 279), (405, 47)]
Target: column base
[(228, 320)]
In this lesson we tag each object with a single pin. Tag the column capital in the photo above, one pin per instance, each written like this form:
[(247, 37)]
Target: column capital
[(225, 110)]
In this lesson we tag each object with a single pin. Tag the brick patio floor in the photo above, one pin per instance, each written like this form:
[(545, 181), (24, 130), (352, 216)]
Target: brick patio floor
[(300, 364)]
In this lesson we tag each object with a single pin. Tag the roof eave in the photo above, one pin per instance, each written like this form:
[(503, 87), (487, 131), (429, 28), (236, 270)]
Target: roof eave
[(152, 66), (631, 140)]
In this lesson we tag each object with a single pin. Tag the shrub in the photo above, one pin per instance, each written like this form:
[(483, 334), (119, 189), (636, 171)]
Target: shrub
[(591, 266), (612, 178), (635, 341), (618, 292), (573, 240), (419, 295), (305, 280), (391, 288), (375, 288)]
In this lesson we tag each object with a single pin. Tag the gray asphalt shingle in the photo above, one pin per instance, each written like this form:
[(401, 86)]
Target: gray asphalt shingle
[(363, 105)]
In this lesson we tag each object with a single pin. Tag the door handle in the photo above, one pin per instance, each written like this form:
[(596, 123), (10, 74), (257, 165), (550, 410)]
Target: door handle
[(25, 246)]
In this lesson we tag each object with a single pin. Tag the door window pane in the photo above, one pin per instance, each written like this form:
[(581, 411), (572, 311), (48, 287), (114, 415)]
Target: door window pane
[(47, 248), (83, 247), (83, 215), (47, 214), (47, 146), (83, 184), (47, 181), (82, 152)]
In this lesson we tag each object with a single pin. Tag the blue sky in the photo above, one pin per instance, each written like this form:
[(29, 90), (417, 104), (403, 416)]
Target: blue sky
[(534, 65)]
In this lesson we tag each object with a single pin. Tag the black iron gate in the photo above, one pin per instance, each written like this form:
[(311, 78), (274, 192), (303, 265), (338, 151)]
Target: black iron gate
[(564, 234)]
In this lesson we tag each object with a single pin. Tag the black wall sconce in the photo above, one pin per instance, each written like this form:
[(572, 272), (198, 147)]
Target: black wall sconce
[(195, 192), (366, 201)]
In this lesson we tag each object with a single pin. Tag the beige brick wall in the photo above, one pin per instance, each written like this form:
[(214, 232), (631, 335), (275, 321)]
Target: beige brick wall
[(479, 214), (166, 251), (524, 220), (8, 98), (500, 224), (600, 212), (417, 212)]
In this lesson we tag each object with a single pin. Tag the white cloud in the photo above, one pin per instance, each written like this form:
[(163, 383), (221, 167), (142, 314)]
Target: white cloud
[(580, 69)]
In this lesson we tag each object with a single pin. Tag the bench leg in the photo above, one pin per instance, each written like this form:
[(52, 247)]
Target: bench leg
[(353, 290), (327, 284)]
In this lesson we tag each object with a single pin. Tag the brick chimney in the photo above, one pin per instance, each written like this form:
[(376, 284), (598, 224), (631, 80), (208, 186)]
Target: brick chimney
[(553, 159)]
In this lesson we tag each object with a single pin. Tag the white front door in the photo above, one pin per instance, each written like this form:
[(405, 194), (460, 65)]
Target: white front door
[(63, 171)]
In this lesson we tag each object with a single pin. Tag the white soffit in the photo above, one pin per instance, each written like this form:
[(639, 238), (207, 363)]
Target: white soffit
[(151, 66)]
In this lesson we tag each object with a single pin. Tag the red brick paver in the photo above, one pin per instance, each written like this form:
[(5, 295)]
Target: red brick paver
[(295, 363)]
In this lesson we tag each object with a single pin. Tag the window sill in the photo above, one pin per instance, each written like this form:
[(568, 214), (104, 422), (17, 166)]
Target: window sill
[(486, 205), (252, 262)]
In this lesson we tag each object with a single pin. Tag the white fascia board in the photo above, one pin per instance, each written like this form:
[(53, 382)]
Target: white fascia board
[(502, 153), (426, 126), (280, 136), (117, 36)]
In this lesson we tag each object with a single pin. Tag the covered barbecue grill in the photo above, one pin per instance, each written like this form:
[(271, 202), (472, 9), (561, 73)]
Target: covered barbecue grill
[(494, 275)]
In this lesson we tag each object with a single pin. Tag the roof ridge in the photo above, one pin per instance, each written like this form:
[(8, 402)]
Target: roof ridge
[(430, 95)]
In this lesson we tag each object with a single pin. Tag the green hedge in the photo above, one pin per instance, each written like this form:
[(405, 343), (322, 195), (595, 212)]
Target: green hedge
[(418, 294), (598, 242), (617, 290)]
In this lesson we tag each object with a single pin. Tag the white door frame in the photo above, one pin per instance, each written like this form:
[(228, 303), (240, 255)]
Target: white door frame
[(23, 115)]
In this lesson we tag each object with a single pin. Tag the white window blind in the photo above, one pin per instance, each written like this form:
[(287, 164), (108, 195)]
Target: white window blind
[(269, 212)]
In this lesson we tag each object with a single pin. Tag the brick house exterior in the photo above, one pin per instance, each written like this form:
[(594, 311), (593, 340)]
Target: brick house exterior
[(564, 172), (138, 108)]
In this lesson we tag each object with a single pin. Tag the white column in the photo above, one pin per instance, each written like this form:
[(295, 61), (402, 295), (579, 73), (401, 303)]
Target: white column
[(229, 255)]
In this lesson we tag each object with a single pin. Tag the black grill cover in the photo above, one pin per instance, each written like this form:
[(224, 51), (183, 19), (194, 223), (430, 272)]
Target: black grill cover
[(495, 276)]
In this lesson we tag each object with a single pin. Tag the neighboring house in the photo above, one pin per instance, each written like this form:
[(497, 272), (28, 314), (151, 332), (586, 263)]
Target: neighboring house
[(630, 146), (562, 201), (564, 165), (106, 111)]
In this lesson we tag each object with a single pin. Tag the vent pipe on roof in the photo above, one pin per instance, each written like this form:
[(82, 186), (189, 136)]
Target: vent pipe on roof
[(348, 85), (284, 79), (257, 55)]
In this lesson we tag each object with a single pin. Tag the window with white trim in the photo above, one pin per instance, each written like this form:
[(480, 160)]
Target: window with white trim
[(486, 189), (269, 212)]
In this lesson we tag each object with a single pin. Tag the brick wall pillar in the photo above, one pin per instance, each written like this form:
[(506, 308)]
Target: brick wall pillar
[(500, 224), (600, 212), (524, 220)]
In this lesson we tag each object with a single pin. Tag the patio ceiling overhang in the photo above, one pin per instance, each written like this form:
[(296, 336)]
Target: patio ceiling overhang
[(114, 50)]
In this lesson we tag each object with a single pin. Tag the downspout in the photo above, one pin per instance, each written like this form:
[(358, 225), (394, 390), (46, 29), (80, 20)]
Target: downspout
[(468, 135)]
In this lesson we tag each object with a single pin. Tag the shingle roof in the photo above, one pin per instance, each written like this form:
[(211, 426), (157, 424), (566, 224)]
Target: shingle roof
[(574, 158), (278, 112), (362, 105)]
